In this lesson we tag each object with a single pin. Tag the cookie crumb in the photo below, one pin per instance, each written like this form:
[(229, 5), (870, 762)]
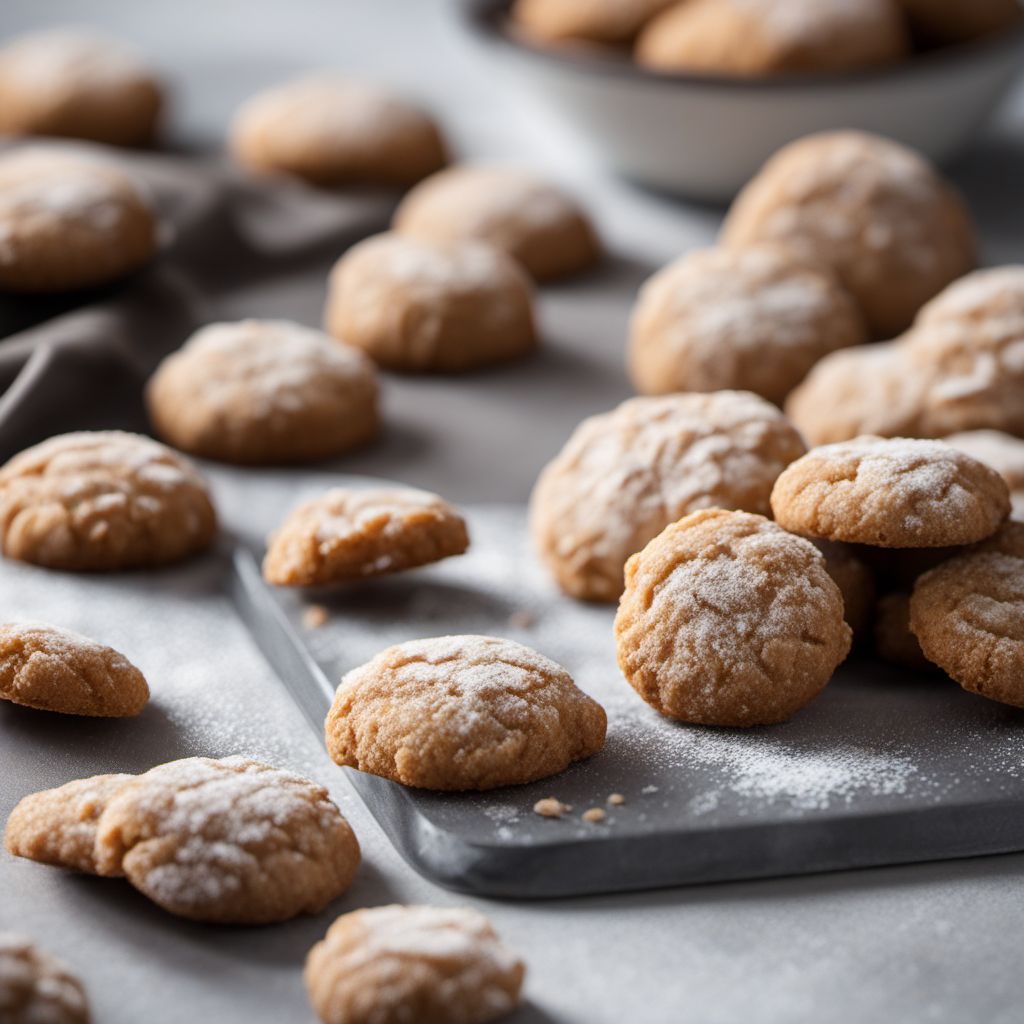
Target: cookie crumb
[(594, 815), (616, 799), (522, 619), (550, 807), (648, 790), (314, 616)]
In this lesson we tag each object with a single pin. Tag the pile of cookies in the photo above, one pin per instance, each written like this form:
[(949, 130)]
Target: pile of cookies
[(745, 564), (746, 38)]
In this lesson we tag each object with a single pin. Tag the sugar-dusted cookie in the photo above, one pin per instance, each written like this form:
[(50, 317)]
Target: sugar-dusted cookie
[(58, 826), (623, 476), (69, 221), (229, 841), (993, 295), (77, 84), (726, 619), (891, 493), (530, 219), (893, 231), (351, 534), (57, 670), (751, 319), (460, 713), (36, 988), (419, 306), (954, 21), (855, 580), (966, 614), (328, 131), (1005, 454), (101, 500), (765, 37), (264, 391), (398, 964), (869, 389), (894, 641), (609, 22)]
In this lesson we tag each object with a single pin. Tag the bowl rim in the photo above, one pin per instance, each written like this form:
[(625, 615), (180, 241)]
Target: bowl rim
[(488, 19)]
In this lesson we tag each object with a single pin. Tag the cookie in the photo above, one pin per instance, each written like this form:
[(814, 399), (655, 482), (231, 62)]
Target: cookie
[(1001, 452), (855, 580), (69, 221), (529, 219), (966, 616), (894, 642), (54, 669), (72, 83), (103, 500), (876, 213), (623, 476), (890, 493), (351, 534), (726, 619), (869, 389), (462, 713), (752, 319), (36, 988), (419, 306), (329, 131), (397, 964), (770, 37), (58, 826), (953, 21), (609, 22), (229, 841), (264, 391), (994, 295)]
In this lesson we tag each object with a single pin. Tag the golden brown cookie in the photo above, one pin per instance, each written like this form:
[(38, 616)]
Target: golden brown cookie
[(419, 306), (56, 670), (58, 826), (610, 22), (752, 319), (726, 619), (993, 295), (623, 476), (69, 221), (229, 841), (869, 389), (967, 616), (529, 219), (264, 391), (890, 493), (766, 37), (80, 85), (879, 215), (954, 21), (1003, 453), (351, 534), (102, 500), (399, 964), (36, 988), (328, 131), (460, 713), (855, 580), (894, 642)]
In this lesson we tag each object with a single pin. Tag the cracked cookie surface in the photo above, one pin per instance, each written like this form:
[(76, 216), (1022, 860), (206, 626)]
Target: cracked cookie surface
[(103, 500), (57, 670), (462, 713), (623, 476), (891, 493), (726, 619), (230, 841), (36, 988), (351, 534)]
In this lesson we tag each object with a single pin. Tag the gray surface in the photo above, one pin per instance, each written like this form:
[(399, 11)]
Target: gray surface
[(936, 942)]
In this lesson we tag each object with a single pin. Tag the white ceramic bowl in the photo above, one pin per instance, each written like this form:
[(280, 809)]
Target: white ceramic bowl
[(705, 136)]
